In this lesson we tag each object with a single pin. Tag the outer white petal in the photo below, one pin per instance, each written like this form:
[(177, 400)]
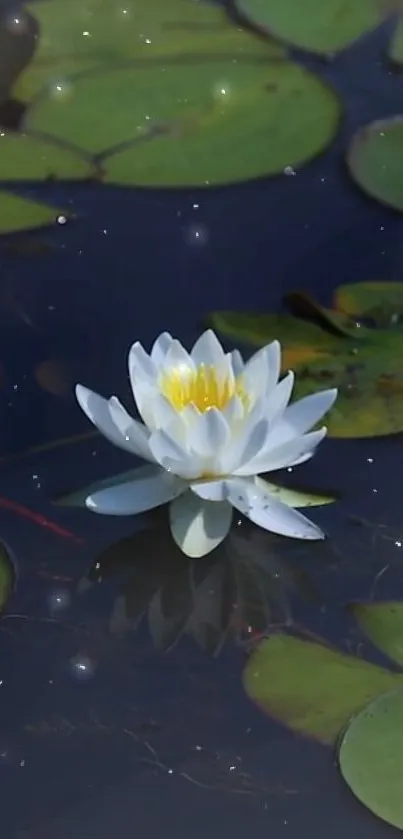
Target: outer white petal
[(262, 371), (208, 350), (237, 363), (114, 422), (279, 398), (160, 348), (199, 526), (140, 363), (246, 444), (209, 433), (251, 500), (302, 415), (213, 490), (274, 457), (136, 496)]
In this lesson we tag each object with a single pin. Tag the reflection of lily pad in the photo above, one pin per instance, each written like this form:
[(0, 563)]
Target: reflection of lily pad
[(23, 214), (375, 160), (103, 33), (365, 365), (213, 123), (312, 688), (321, 27), (371, 757), (23, 157), (7, 576)]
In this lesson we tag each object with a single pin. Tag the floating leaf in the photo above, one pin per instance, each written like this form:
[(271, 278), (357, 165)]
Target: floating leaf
[(313, 25), (311, 688), (371, 757), (23, 214), (18, 36), (215, 123), (365, 366), (383, 624), (24, 156), (294, 497), (7, 576), (147, 31), (375, 160)]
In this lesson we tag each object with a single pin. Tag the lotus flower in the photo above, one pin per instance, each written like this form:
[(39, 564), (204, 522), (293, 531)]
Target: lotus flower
[(211, 425)]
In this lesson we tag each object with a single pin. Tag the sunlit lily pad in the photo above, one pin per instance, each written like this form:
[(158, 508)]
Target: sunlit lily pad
[(371, 757), (362, 360), (215, 123), (24, 156), (311, 688), (103, 33), (375, 160), (321, 27), (383, 624), (18, 213)]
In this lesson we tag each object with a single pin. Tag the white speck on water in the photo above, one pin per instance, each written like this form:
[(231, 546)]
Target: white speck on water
[(289, 170)]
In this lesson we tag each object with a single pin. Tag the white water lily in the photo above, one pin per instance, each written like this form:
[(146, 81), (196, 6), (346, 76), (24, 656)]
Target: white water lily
[(211, 425)]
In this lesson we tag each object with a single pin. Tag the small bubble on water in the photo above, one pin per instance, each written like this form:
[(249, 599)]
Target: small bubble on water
[(289, 170), (196, 235), (58, 600), (61, 220), (82, 667), (17, 24)]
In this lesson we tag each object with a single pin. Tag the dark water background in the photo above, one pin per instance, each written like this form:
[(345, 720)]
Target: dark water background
[(140, 742)]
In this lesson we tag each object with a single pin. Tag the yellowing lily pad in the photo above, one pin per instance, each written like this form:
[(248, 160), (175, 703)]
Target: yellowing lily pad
[(371, 757), (103, 33), (363, 362), (321, 27), (214, 123), (375, 160), (311, 688), (18, 213), (24, 156), (383, 624)]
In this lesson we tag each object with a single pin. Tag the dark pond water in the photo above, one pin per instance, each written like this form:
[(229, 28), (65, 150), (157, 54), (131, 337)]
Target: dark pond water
[(103, 731)]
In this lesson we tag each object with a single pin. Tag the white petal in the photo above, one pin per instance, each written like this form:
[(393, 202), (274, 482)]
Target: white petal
[(114, 422), (237, 363), (302, 415), (214, 490), (209, 433), (136, 496), (245, 445), (199, 526), (207, 350), (177, 359), (279, 398), (274, 457), (274, 362), (160, 348), (262, 370), (234, 411), (140, 363), (263, 510), (173, 457)]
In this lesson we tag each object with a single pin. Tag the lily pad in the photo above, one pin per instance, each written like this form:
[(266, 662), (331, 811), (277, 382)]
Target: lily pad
[(25, 156), (215, 123), (365, 365), (383, 624), (371, 757), (395, 47), (101, 33), (311, 688), (18, 213), (313, 25), (375, 160)]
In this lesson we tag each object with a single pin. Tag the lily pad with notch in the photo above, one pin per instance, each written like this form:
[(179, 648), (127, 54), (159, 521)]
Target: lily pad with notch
[(356, 346), (20, 214)]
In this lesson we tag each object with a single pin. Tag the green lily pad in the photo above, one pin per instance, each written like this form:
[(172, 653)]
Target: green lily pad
[(313, 25), (383, 624), (371, 757), (375, 160), (24, 156), (7, 576), (311, 688), (395, 47), (18, 213), (215, 123), (365, 365), (102, 33)]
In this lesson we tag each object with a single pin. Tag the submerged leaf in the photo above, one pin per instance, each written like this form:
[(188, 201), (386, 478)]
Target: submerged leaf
[(7, 576), (312, 688), (371, 757)]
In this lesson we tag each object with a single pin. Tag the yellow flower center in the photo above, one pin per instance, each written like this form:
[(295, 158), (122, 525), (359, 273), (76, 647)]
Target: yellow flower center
[(202, 388)]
